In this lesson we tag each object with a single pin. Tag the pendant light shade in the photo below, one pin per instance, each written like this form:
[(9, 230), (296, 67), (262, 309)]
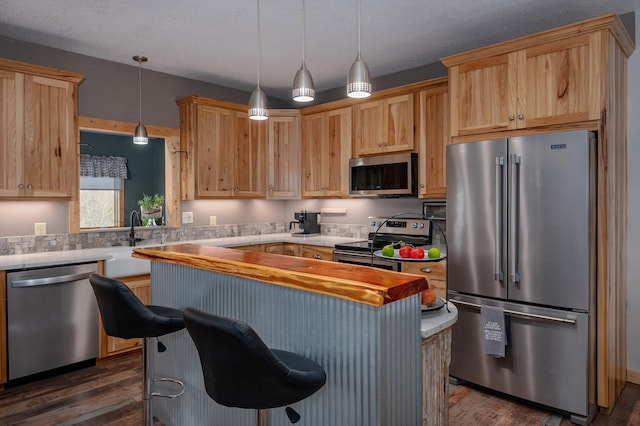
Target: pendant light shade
[(258, 109), (258, 105), (140, 136), (359, 80), (303, 89)]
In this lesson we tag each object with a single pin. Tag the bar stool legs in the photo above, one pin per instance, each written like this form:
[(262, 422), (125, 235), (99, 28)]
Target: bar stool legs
[(148, 381)]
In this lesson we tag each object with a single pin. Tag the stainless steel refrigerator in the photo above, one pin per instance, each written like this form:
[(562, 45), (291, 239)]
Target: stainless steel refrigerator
[(521, 237)]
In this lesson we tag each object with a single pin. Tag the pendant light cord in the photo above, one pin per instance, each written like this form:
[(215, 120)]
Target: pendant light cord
[(140, 90), (304, 29), (259, 43), (358, 27)]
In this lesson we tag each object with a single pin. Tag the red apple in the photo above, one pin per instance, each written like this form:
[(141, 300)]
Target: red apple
[(417, 253), (427, 297), (405, 251)]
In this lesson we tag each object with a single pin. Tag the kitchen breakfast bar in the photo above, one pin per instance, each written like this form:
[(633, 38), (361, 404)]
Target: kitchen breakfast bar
[(362, 325)]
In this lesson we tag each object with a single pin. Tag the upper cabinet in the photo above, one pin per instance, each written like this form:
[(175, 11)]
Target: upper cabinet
[(384, 125), (224, 151), (433, 137), (39, 136), (283, 155), (326, 150), (554, 77)]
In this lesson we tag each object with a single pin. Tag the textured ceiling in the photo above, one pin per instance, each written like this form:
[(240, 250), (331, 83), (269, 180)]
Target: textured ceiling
[(216, 40)]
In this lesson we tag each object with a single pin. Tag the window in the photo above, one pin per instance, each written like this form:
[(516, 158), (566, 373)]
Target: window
[(102, 191)]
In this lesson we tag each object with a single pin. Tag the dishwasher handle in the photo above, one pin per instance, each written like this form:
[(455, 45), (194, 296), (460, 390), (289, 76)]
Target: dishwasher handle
[(59, 279)]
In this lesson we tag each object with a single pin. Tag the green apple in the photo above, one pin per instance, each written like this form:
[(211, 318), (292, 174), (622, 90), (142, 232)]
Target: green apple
[(388, 250), (433, 253)]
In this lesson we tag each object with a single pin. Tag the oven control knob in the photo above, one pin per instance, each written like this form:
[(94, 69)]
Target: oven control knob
[(421, 225), (415, 225), (373, 223)]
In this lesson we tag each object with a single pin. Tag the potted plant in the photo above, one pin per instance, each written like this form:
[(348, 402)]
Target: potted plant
[(150, 207)]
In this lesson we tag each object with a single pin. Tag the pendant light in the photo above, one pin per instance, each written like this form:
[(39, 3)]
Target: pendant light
[(140, 136), (359, 81), (258, 101), (303, 90)]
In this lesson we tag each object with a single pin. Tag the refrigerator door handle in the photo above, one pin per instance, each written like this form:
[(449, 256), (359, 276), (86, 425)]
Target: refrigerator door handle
[(499, 164), (513, 219), (519, 314)]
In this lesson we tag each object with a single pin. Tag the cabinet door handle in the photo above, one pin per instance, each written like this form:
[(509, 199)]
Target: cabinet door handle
[(511, 118), (316, 256), (21, 186), (379, 145), (422, 185), (427, 270), (520, 116), (29, 186)]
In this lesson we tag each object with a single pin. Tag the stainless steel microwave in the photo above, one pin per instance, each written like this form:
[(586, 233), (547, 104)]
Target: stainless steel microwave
[(384, 176)]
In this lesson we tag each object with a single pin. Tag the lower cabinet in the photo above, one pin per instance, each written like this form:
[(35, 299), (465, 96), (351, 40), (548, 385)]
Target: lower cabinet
[(434, 272), (141, 287), (316, 252), (251, 247), (287, 249)]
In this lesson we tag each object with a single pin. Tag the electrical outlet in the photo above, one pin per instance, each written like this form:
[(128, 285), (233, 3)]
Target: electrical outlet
[(41, 228), (213, 220), (187, 217)]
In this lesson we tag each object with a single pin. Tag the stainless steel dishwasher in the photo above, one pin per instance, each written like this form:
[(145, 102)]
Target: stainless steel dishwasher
[(52, 318)]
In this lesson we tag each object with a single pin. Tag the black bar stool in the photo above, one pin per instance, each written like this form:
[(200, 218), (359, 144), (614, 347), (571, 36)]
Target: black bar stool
[(125, 316), (241, 371)]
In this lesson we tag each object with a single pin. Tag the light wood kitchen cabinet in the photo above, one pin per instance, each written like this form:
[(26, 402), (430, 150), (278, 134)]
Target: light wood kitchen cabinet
[(39, 136), (568, 78), (283, 155), (316, 252), (434, 272), (287, 249), (223, 150), (541, 80), (384, 125), (140, 285), (433, 137), (250, 247), (326, 150)]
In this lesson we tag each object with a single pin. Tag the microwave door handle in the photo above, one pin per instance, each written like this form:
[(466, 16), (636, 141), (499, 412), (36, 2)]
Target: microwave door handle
[(499, 164), (514, 171)]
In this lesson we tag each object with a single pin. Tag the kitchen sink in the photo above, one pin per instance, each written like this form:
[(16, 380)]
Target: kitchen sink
[(123, 265)]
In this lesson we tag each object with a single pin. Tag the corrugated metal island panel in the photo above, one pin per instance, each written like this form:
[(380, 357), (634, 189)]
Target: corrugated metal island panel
[(371, 354)]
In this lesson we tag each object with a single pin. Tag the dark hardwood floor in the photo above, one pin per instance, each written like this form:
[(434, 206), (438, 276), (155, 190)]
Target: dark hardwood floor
[(109, 394)]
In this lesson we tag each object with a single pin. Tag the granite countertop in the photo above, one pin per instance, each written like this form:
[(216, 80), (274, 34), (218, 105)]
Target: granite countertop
[(435, 321), (37, 260)]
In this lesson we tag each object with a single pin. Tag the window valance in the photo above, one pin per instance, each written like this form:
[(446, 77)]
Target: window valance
[(97, 166)]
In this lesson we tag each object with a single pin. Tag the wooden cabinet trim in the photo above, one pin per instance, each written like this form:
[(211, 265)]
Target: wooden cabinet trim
[(609, 22), (41, 71)]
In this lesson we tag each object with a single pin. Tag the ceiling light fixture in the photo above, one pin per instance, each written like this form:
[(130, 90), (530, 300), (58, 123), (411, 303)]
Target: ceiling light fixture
[(258, 101), (359, 81), (303, 90), (140, 136)]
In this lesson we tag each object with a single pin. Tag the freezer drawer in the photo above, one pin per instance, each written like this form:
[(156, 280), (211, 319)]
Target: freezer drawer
[(547, 359)]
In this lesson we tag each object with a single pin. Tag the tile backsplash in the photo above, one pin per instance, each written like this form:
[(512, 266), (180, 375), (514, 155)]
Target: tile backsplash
[(158, 235)]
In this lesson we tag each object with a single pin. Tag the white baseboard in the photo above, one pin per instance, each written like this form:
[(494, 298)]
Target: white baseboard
[(633, 377)]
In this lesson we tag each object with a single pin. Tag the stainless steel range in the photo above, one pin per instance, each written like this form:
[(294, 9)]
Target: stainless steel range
[(383, 231)]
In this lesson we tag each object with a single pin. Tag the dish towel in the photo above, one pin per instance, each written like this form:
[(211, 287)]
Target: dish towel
[(494, 335)]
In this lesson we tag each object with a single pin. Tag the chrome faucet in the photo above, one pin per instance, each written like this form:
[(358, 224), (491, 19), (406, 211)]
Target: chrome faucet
[(132, 234)]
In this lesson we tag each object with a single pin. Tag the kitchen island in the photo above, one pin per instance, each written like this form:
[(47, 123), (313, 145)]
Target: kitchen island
[(363, 325)]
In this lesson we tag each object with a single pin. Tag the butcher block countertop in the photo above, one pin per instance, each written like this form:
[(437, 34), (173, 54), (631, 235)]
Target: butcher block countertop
[(361, 284)]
